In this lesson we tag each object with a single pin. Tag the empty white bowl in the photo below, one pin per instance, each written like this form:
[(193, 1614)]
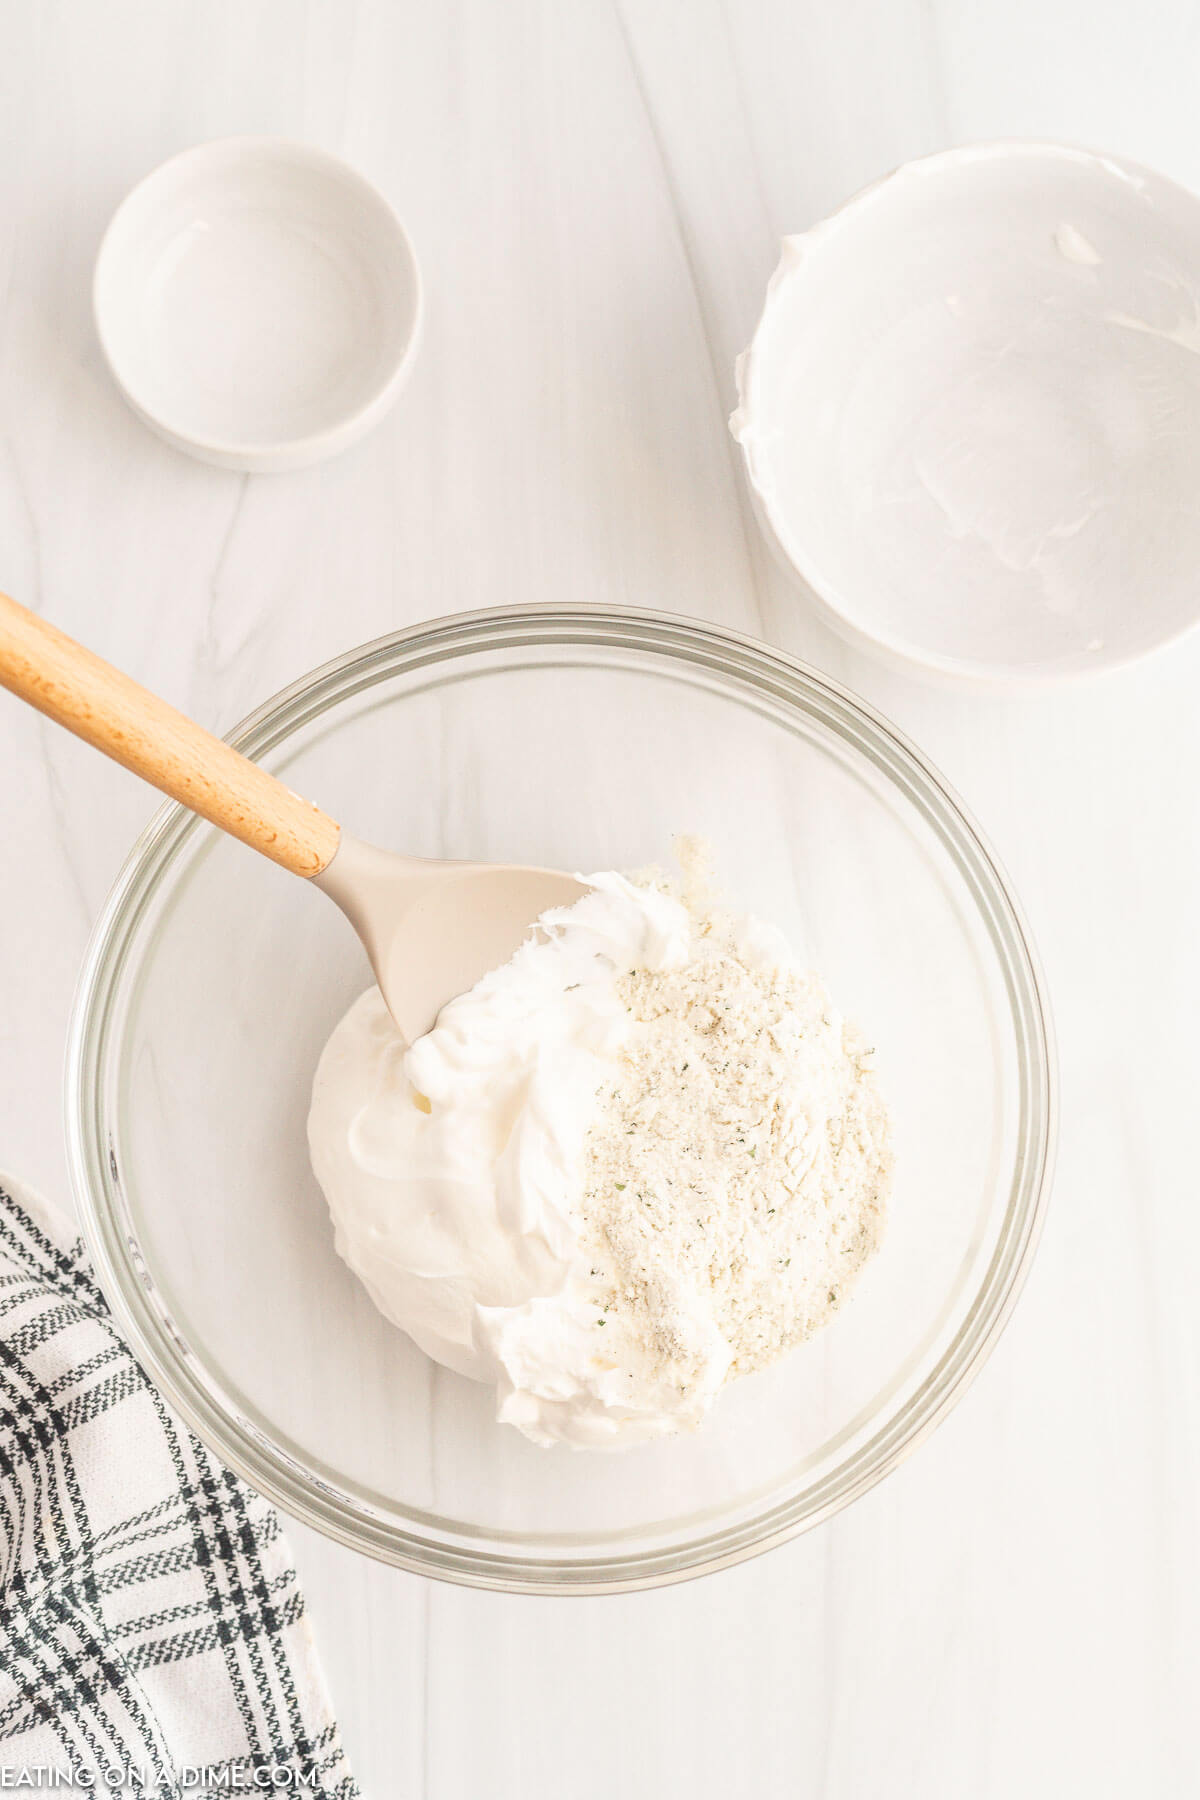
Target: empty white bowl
[(258, 303), (970, 413)]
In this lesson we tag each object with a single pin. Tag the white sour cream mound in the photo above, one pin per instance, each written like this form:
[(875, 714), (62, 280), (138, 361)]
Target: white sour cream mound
[(585, 1185)]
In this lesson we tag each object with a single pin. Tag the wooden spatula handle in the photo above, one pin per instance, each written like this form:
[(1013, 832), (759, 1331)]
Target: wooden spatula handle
[(80, 690)]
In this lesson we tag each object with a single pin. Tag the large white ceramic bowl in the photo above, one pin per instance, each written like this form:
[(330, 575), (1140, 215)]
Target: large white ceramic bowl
[(970, 412), (575, 738), (258, 302)]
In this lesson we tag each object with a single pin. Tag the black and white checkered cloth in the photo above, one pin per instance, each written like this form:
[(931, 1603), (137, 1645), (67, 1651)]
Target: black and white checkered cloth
[(152, 1628)]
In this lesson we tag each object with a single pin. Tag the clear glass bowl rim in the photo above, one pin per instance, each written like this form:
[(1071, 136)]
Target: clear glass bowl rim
[(128, 1285)]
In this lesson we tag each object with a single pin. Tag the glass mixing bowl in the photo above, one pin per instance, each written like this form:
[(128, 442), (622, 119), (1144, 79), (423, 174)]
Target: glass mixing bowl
[(580, 739)]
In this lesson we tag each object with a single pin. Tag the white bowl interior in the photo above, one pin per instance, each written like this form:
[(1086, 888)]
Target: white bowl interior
[(253, 294), (975, 410), (235, 975)]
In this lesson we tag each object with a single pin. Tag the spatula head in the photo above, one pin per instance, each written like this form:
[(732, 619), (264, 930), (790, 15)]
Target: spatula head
[(432, 929)]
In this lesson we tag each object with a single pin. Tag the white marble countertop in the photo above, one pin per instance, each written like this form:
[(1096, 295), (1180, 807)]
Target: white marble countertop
[(596, 192)]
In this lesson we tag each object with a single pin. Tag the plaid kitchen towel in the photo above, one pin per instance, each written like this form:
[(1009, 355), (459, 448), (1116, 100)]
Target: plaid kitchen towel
[(153, 1638)]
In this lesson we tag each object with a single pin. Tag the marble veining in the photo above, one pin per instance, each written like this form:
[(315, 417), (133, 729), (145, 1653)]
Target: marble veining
[(596, 196)]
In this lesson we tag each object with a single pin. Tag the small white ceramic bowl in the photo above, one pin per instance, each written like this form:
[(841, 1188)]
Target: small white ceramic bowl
[(970, 413), (258, 303)]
